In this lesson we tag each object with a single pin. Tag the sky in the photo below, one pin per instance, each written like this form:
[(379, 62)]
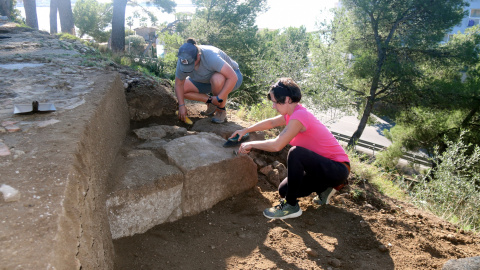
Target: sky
[(285, 13), (281, 14)]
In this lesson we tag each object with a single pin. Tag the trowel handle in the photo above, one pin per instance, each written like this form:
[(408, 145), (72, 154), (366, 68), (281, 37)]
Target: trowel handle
[(35, 106)]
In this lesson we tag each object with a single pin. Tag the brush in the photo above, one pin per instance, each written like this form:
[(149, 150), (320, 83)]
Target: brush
[(187, 120), (234, 141)]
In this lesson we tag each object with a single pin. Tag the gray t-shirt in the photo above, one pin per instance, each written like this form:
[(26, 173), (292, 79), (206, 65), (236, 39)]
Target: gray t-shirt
[(212, 60)]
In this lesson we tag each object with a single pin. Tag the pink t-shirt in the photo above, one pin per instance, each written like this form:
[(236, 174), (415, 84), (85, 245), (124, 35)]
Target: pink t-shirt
[(316, 136)]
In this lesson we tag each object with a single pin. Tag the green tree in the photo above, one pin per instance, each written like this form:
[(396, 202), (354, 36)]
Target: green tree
[(66, 16), (280, 53), (31, 13), (388, 40), (118, 20), (53, 16), (92, 18), (327, 67), (446, 102), (135, 44), (168, 63), (7, 7)]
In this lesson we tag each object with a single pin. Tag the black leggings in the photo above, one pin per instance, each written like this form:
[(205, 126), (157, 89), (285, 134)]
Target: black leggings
[(310, 172)]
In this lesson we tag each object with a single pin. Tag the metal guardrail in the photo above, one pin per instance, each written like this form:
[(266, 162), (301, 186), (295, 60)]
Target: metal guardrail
[(417, 159)]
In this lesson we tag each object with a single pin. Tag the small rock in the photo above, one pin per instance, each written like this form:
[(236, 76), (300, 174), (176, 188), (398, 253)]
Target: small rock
[(241, 235), (4, 151), (9, 193), (335, 263), (309, 222), (260, 162), (383, 248), (274, 178), (450, 237), (12, 128), (8, 123), (265, 170), (312, 252)]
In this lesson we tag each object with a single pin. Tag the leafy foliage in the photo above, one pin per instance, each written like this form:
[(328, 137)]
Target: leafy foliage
[(389, 40), (452, 190), (171, 43), (447, 101), (92, 18), (118, 20), (135, 44), (281, 53)]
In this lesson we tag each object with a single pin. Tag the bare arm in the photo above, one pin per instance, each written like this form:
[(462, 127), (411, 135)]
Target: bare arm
[(262, 125), (277, 144), (179, 92)]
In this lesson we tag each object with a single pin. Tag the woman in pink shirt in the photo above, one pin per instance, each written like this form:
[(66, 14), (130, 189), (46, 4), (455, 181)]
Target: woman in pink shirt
[(316, 161)]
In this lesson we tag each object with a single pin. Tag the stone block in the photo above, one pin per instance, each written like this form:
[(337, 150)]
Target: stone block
[(146, 192), (212, 173), (472, 263)]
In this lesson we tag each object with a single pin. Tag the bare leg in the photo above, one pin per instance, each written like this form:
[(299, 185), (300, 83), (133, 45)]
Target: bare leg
[(218, 81), (191, 92)]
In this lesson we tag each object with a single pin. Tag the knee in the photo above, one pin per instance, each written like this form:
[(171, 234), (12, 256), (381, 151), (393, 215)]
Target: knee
[(217, 81), (293, 153)]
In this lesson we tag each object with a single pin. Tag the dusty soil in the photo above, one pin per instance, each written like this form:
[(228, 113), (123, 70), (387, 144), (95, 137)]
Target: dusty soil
[(368, 231)]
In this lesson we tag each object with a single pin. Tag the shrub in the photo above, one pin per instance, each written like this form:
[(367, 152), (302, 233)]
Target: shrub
[(452, 190), (134, 44)]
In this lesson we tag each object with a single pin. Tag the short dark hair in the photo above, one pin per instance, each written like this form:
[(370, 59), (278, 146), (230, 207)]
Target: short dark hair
[(285, 87)]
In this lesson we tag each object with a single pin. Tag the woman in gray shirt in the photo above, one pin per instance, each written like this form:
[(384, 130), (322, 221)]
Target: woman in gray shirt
[(201, 70)]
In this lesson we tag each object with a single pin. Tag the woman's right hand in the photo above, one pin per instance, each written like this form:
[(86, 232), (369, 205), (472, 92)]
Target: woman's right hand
[(240, 133), (182, 113)]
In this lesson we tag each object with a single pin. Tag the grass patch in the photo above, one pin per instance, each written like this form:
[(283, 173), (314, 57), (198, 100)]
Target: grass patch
[(256, 112), (386, 183)]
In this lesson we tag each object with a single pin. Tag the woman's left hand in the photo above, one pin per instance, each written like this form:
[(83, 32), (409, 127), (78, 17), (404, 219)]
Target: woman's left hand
[(245, 148)]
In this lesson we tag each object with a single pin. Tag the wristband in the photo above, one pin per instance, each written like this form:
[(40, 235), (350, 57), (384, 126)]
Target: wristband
[(181, 105)]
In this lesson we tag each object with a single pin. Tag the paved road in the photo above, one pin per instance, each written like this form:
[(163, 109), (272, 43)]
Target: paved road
[(347, 125)]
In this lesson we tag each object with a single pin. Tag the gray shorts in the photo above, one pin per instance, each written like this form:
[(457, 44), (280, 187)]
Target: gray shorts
[(206, 88)]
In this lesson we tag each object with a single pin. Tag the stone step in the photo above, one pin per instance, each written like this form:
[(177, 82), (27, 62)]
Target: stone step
[(147, 193), (199, 173)]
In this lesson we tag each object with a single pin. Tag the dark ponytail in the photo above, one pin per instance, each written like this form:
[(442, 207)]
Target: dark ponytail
[(193, 42), (285, 87)]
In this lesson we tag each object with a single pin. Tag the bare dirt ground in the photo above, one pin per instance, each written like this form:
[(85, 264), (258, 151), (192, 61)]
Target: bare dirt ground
[(359, 230)]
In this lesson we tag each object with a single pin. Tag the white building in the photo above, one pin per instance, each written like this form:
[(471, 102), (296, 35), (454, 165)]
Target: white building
[(472, 19)]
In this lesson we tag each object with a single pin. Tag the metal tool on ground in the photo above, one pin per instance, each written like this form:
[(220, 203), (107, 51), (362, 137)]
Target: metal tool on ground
[(33, 108), (235, 141)]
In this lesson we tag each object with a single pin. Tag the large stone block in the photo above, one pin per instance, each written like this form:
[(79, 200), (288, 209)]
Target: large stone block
[(472, 263), (212, 173), (146, 192)]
